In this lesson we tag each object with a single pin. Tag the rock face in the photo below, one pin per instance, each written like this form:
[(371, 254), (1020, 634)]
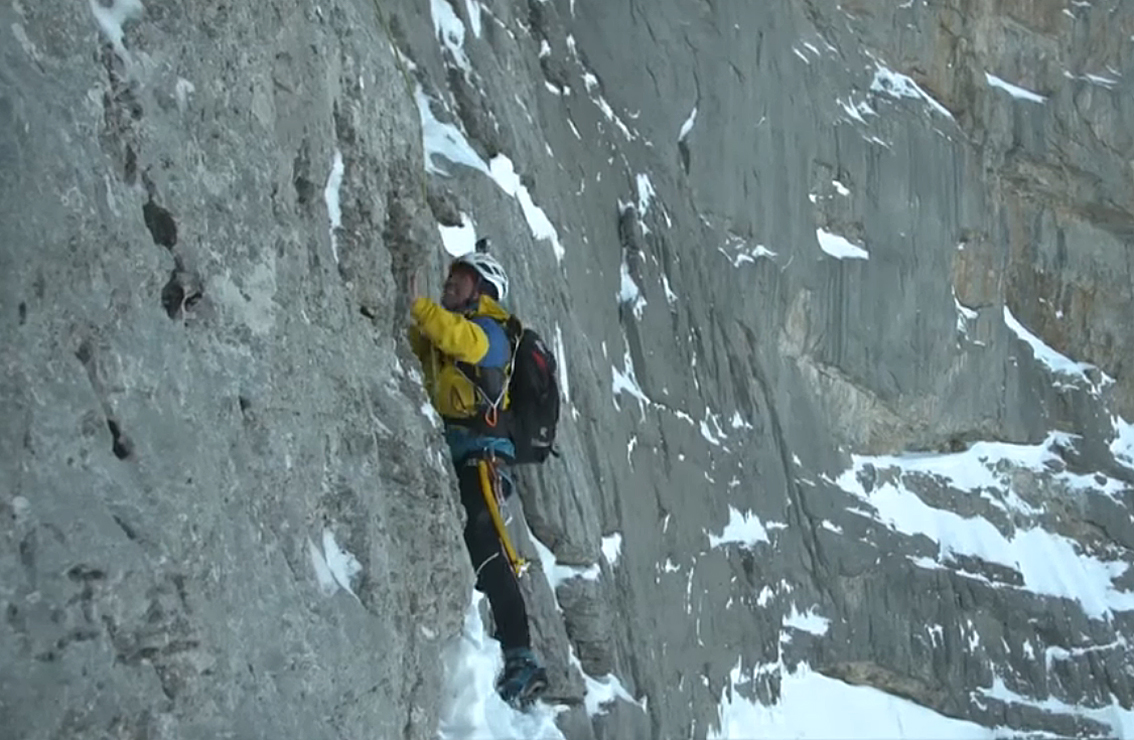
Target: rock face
[(202, 399), (815, 272)]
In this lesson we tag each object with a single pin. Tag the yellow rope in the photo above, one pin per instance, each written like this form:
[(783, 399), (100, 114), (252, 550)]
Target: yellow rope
[(518, 564)]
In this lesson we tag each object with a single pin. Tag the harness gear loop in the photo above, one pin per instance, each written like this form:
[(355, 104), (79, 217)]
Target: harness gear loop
[(487, 560)]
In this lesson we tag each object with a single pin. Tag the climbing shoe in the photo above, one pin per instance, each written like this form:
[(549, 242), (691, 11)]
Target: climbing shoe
[(523, 678)]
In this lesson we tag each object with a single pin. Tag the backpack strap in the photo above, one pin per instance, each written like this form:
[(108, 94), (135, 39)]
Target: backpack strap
[(514, 330), (491, 397)]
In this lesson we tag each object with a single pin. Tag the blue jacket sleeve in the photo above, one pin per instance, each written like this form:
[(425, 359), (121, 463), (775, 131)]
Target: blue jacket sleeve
[(499, 350)]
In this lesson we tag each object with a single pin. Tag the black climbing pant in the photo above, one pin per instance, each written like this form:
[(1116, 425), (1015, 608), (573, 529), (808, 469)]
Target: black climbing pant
[(495, 577)]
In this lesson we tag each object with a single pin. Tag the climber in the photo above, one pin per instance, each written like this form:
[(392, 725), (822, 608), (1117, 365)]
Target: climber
[(465, 354)]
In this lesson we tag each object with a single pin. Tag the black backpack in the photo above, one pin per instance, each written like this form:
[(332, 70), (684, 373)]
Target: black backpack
[(534, 392)]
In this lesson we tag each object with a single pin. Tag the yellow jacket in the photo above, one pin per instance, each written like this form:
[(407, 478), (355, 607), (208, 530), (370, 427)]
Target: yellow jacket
[(441, 338)]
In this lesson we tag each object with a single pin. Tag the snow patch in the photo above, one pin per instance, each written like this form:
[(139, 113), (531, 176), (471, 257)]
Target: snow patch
[(591, 82), (607, 111), (459, 240), (470, 707), (628, 291), (1054, 652), (447, 141), (1123, 445), (743, 529), (1049, 564), (557, 574), (1107, 82), (182, 89), (750, 256), (473, 9), (342, 564), (964, 315), (840, 247), (646, 194), (612, 548), (626, 381), (561, 361), (807, 621), (112, 19), (1014, 90), (989, 466), (688, 125), (857, 111), (540, 225), (327, 583), (1121, 720), (444, 140), (334, 566), (1058, 364), (898, 86), (743, 253), (1100, 80), (710, 436), (600, 692), (331, 197), (430, 413), (448, 26), (876, 714)]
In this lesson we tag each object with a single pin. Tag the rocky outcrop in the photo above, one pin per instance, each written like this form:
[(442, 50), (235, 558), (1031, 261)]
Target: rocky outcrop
[(204, 393), (839, 292)]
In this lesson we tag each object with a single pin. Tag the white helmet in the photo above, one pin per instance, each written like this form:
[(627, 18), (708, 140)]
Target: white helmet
[(489, 269)]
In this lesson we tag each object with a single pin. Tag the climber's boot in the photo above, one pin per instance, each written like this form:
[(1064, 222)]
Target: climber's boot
[(523, 680)]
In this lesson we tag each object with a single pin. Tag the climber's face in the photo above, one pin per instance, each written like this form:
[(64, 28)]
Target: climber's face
[(460, 288)]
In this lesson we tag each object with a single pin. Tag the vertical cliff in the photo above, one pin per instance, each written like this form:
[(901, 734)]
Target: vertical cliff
[(840, 293)]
